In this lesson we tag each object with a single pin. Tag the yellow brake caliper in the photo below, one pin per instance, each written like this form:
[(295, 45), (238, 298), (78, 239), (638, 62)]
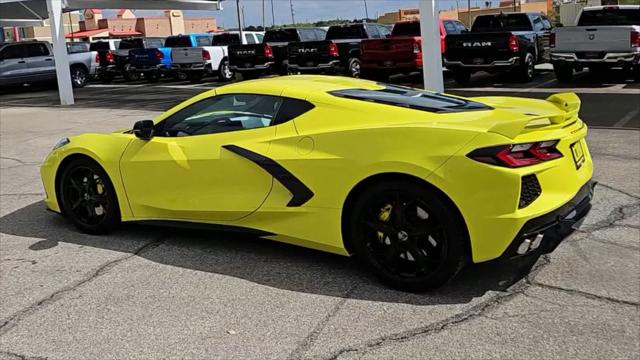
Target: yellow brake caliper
[(384, 216)]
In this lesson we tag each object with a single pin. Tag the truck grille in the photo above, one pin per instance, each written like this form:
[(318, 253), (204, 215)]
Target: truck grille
[(530, 190)]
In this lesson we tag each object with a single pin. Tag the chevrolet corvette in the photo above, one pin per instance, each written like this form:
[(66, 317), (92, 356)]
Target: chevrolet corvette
[(413, 184)]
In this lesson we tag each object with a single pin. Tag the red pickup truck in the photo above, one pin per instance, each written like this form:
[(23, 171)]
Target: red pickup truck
[(402, 52)]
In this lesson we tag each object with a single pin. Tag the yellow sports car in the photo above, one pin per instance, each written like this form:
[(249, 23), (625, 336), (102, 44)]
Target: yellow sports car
[(412, 183)]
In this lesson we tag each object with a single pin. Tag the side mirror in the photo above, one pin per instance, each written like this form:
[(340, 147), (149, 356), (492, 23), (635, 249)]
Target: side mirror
[(143, 129)]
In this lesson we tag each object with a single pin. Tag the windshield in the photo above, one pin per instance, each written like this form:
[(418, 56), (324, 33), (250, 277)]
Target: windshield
[(346, 32), (406, 29), (130, 44), (411, 98), (178, 41), (226, 39), (610, 16), (284, 35), (100, 45), (508, 22)]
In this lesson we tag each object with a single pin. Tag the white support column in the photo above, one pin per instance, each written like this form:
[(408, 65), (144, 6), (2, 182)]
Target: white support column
[(65, 90), (431, 53)]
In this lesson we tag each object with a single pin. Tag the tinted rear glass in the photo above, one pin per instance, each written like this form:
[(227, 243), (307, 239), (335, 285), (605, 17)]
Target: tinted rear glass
[(77, 47), (411, 98), (406, 29), (346, 32), (284, 35), (178, 41), (508, 22), (610, 16), (155, 43), (226, 39), (130, 44), (100, 45)]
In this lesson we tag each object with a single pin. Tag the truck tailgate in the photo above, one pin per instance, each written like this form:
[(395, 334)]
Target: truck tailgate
[(309, 53), (388, 52), (187, 55), (144, 57), (477, 48), (594, 38)]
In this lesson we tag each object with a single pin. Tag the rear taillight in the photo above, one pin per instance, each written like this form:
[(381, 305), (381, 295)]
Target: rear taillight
[(513, 43), (333, 49), (552, 40), (97, 57), (268, 51), (635, 39), (159, 55), (517, 155), (417, 47), (443, 43), (205, 55), (108, 56)]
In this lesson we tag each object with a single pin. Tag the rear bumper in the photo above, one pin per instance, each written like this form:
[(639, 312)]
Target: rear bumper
[(189, 67), (392, 66), (609, 58), (147, 68), (545, 232), (334, 65), (259, 67), (513, 61)]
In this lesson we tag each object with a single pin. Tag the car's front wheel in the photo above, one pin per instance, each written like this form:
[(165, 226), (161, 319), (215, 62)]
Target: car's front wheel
[(407, 234), (87, 197), (79, 76)]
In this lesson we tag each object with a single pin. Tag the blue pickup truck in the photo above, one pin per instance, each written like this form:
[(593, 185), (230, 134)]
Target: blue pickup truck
[(155, 62)]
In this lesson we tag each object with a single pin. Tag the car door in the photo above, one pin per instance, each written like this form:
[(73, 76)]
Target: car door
[(40, 61), (186, 171), (13, 65)]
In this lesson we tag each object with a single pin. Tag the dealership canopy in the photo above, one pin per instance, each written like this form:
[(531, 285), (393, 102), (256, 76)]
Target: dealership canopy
[(33, 12), (30, 12)]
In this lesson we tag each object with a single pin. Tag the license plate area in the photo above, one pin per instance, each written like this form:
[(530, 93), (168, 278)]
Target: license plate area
[(577, 152)]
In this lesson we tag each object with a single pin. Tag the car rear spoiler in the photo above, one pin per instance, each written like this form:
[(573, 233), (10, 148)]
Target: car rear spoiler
[(561, 109)]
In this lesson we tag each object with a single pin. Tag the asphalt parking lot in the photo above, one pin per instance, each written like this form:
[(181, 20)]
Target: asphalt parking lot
[(146, 292)]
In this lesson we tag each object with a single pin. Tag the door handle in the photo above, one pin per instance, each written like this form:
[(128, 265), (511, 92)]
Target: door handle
[(21, 62), (48, 59)]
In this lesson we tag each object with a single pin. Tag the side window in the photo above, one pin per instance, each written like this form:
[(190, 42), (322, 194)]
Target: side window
[(373, 32), (12, 52), (460, 26), (537, 24), (260, 37), (248, 38), (384, 31), (37, 49), (222, 113), (450, 27), (291, 109), (546, 23), (203, 41)]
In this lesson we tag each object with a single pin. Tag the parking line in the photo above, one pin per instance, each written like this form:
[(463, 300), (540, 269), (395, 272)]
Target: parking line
[(625, 119)]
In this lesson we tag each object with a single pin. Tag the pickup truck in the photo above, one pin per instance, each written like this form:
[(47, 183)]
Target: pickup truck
[(604, 37), (338, 53), (32, 61), (270, 56), (155, 62), (116, 62), (496, 43), (401, 53), (197, 62)]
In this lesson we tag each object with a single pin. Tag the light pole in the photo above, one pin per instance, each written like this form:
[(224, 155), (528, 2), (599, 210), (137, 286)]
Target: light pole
[(239, 20), (293, 19), (273, 15), (263, 24), (366, 11)]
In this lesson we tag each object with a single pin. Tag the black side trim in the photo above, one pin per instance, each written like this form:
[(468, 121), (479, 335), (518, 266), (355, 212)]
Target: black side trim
[(301, 193), (202, 226)]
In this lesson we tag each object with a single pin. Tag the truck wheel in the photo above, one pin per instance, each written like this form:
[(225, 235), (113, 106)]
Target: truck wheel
[(353, 68), (195, 76), (105, 78), (462, 76), (79, 76), (528, 68), (224, 72), (564, 73), (130, 75), (152, 76)]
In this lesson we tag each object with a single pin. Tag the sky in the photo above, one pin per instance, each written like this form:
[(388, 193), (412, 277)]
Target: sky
[(307, 10)]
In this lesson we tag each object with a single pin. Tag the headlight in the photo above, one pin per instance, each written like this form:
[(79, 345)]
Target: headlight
[(61, 143)]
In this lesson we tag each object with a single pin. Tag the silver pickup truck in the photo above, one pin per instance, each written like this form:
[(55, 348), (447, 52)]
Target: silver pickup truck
[(604, 37), (32, 61)]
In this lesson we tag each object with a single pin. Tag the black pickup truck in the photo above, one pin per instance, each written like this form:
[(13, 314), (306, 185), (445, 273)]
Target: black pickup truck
[(269, 57), (338, 53), (504, 42), (116, 62)]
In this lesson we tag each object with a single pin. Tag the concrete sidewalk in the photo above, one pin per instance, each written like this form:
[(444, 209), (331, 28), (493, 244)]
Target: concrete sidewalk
[(146, 292)]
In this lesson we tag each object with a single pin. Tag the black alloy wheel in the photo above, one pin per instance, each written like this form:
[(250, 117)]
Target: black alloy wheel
[(528, 68), (79, 77), (409, 236), (87, 197), (224, 72)]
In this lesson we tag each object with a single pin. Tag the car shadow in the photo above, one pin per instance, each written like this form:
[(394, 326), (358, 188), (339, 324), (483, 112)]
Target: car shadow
[(260, 261)]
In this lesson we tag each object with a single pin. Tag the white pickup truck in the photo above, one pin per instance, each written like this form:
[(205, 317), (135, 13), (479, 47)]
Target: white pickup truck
[(197, 62), (604, 37)]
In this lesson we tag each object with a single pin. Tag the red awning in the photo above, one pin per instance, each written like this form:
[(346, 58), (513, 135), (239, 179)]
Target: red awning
[(86, 33), (124, 33)]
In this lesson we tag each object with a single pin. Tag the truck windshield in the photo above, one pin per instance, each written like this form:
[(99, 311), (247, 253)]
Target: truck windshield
[(508, 22), (411, 98), (284, 35), (226, 39), (610, 16), (346, 32), (130, 44), (178, 41), (406, 29)]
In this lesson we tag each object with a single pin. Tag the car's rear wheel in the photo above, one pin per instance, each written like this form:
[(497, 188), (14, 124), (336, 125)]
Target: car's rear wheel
[(408, 235), (79, 76), (87, 197)]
